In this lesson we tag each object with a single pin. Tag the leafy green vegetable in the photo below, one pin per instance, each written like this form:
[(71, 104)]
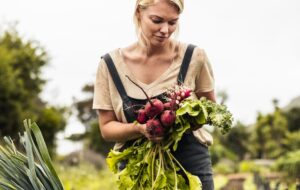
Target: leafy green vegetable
[(152, 165)]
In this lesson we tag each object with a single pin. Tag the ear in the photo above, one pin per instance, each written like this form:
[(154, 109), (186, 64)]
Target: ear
[(138, 13)]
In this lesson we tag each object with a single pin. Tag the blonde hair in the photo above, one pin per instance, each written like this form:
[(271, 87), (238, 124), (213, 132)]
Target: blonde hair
[(144, 4)]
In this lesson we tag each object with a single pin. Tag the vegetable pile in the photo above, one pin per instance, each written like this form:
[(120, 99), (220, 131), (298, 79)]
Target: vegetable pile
[(152, 165), (159, 116)]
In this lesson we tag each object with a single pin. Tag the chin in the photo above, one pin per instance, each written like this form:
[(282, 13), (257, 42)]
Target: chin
[(158, 43)]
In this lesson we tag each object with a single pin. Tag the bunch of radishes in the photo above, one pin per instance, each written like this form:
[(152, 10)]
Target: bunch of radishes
[(159, 116), (156, 160)]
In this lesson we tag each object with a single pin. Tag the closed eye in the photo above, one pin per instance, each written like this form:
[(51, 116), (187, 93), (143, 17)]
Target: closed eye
[(156, 21), (159, 20), (172, 22)]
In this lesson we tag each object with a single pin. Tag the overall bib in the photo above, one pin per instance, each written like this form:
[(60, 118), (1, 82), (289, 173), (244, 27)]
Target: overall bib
[(192, 155)]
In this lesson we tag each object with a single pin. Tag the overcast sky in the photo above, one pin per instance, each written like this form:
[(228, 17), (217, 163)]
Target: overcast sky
[(253, 45)]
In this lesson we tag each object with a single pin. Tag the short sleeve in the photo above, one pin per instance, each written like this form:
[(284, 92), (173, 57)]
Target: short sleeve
[(205, 77), (102, 97)]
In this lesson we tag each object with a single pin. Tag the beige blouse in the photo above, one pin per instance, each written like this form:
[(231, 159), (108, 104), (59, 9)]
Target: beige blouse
[(199, 78)]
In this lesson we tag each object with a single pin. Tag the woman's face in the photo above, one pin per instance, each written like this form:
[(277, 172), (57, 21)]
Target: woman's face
[(158, 22)]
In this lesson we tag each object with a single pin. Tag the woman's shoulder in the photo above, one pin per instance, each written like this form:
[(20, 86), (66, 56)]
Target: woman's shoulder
[(114, 55), (111, 53), (199, 54)]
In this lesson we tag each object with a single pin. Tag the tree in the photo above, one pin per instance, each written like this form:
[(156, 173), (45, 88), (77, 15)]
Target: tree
[(95, 140), (51, 120), (269, 135), (21, 64), (88, 117), (290, 164), (237, 140), (293, 117), (84, 107)]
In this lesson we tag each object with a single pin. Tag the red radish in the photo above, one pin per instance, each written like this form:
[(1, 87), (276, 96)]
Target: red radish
[(159, 116), (182, 95), (172, 95), (167, 105), (173, 105), (187, 92), (142, 117), (167, 118), (154, 127), (158, 131), (154, 108)]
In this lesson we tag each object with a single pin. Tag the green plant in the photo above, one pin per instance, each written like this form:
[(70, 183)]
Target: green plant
[(290, 164), (21, 171), (86, 177), (225, 166), (248, 166)]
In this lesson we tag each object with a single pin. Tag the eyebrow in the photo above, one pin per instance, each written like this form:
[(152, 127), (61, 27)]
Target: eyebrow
[(163, 18)]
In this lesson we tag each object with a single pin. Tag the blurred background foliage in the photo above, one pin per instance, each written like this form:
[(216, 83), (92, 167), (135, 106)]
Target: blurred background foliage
[(21, 82), (271, 144)]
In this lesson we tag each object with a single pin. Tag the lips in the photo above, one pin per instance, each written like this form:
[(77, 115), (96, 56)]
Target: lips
[(161, 38)]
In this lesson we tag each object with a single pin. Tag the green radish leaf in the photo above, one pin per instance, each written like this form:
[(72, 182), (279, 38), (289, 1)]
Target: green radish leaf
[(115, 157), (182, 183), (125, 182), (200, 119), (196, 109), (170, 178), (194, 182), (177, 135), (161, 183), (185, 108)]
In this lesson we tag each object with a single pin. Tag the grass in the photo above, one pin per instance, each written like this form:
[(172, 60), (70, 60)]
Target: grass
[(220, 181), (86, 177)]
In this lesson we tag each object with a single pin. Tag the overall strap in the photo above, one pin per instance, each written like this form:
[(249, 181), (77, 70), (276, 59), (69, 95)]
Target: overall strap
[(185, 63), (130, 117), (115, 76)]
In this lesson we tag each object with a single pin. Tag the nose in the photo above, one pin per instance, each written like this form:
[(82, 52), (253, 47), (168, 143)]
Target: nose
[(164, 28)]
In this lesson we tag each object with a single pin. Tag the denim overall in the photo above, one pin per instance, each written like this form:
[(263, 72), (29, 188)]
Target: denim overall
[(192, 155)]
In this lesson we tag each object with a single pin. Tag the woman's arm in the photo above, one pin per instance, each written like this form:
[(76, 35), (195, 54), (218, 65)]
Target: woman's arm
[(209, 95), (115, 131)]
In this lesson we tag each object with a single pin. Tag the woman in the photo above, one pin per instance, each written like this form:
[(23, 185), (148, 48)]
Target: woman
[(155, 63)]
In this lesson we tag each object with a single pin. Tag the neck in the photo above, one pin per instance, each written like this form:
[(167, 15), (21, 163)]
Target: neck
[(154, 50)]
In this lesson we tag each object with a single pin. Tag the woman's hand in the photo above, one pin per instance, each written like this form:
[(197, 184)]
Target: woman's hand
[(115, 131), (143, 130)]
